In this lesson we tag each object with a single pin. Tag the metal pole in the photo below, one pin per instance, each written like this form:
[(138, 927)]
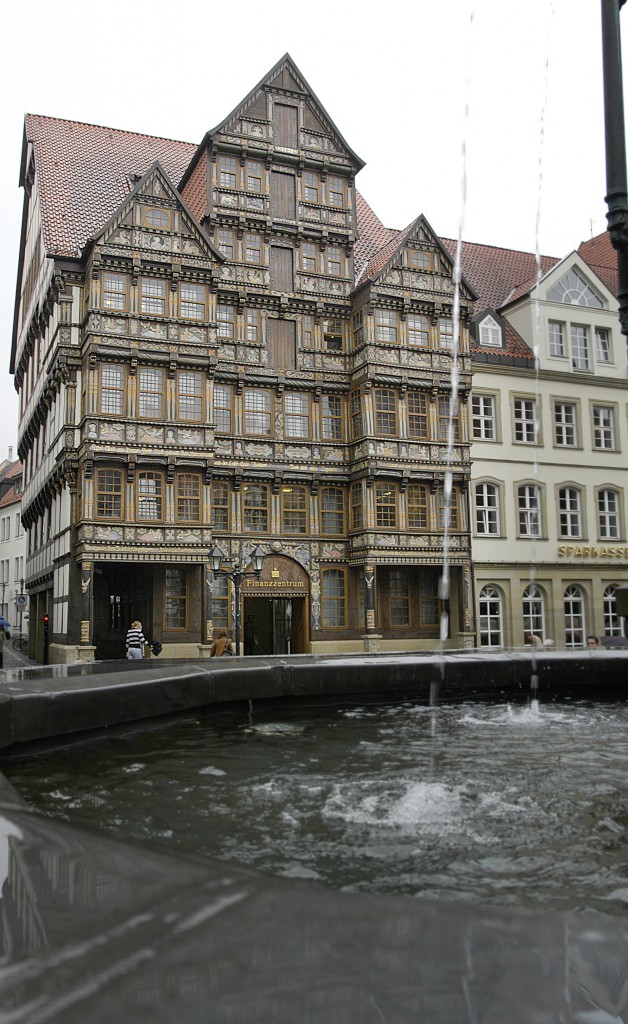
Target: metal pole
[(614, 130), (237, 579)]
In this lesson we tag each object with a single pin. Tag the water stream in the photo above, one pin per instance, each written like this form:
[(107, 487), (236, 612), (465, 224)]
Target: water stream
[(475, 802)]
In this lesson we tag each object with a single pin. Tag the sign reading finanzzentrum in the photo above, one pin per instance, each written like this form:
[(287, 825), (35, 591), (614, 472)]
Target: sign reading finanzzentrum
[(593, 551)]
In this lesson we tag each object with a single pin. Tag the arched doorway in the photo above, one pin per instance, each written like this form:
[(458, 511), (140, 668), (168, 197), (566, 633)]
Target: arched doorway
[(275, 611)]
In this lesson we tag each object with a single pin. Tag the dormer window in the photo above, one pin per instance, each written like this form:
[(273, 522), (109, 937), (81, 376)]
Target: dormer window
[(573, 290), (490, 333)]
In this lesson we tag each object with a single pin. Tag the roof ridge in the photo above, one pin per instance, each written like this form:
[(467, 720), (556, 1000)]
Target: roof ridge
[(108, 128)]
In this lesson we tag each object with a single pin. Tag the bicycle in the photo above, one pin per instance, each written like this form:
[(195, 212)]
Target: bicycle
[(20, 643)]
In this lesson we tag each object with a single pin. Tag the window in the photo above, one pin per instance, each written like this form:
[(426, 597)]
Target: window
[(149, 496), (483, 418), (188, 497), (155, 217), (612, 621), (223, 397), (603, 427), (356, 415), (529, 510), (385, 506), (257, 413), (307, 327), (308, 257), (418, 422), (534, 611), (189, 395), (490, 333), (252, 325), (580, 347), (226, 321), (572, 288), (446, 332), (175, 598), (5, 528), (297, 415), (332, 511), (608, 514), (602, 345), (332, 335), (111, 389), (356, 509), (150, 386), (556, 338), (225, 243), (385, 325), (569, 512), (526, 428), (418, 328), (310, 187), (252, 247), (253, 176), (109, 493), (335, 191), (294, 509), (220, 602), (385, 412), (114, 291), (227, 172), (193, 305), (417, 504), (565, 424), (399, 598), (358, 328), (220, 506), (152, 296), (419, 259), (333, 598), (18, 525), (446, 418), (491, 616), (487, 509), (334, 260), (573, 605), (255, 502), (447, 508), (331, 413)]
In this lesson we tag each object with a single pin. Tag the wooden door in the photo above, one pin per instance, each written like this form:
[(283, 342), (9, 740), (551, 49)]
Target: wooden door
[(282, 354), (283, 202), (281, 269), (286, 126)]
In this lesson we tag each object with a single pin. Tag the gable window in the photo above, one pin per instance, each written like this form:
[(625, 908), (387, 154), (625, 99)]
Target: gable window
[(385, 412), (114, 291), (334, 260), (252, 325), (446, 332), (417, 504), (151, 388), (526, 428), (257, 413), (332, 335), (419, 259), (149, 495), (175, 598), (109, 493), (188, 497), (416, 402), (332, 511), (335, 191), (608, 514), (252, 247), (580, 347), (155, 217), (574, 290), (602, 345), (570, 516), (307, 329), (529, 510), (255, 503), (491, 617), (308, 257), (565, 424), (333, 598), (556, 333), (310, 187), (225, 243), (386, 506), (487, 509), (603, 428), (226, 321), (220, 506), (223, 400), (573, 606), (227, 172), (331, 414), (297, 413), (418, 330), (193, 304), (385, 325), (189, 395), (253, 176), (490, 333), (152, 296), (483, 417), (294, 509), (111, 389)]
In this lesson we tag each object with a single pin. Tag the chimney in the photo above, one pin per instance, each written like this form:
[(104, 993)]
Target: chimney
[(10, 453)]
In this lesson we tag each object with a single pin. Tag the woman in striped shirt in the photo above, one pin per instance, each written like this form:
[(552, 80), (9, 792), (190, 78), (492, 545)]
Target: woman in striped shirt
[(135, 641)]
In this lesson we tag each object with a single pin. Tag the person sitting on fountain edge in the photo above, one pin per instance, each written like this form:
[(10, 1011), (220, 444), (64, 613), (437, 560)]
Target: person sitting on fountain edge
[(533, 639)]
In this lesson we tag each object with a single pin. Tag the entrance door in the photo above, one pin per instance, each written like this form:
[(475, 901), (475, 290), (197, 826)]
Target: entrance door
[(274, 625), (122, 593)]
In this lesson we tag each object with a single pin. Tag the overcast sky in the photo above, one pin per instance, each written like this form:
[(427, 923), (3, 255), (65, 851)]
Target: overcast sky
[(503, 96)]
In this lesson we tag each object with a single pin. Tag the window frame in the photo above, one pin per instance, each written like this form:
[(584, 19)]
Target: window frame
[(330, 600), (492, 598), (480, 418), (524, 424), (601, 431), (262, 414), (190, 399), (124, 292), (386, 511), (227, 171), (606, 516), (562, 426), (529, 506), (332, 419), (179, 597), (418, 418), (294, 510), (115, 390), (220, 489), (570, 513), (487, 508), (102, 495), (153, 293), (192, 499), (255, 516), (386, 412), (146, 476), (336, 514), (148, 408), (222, 410), (298, 416), (198, 304)]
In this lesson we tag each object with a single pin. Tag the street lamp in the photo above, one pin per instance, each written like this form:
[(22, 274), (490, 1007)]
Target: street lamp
[(616, 181), (236, 573)]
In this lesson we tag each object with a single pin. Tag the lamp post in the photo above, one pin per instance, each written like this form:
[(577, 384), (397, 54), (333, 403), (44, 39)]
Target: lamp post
[(614, 131), (236, 573)]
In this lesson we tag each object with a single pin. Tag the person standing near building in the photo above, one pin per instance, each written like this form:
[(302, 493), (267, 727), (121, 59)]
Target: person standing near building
[(1, 648), (135, 641)]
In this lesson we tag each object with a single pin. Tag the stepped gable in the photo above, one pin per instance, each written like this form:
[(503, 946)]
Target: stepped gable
[(86, 171), (496, 274), (375, 242), (599, 254)]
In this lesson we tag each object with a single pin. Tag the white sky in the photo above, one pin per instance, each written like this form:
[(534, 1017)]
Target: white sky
[(410, 86)]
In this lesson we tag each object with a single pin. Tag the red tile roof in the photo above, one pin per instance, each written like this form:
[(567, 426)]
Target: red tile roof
[(10, 498), (600, 255), (373, 238), (497, 274)]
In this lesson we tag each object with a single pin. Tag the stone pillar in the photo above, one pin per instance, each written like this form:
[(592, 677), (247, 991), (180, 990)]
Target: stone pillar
[(85, 651), (371, 640), (466, 636)]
